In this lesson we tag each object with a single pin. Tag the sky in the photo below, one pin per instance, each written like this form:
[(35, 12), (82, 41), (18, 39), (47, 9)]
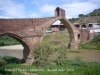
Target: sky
[(45, 8)]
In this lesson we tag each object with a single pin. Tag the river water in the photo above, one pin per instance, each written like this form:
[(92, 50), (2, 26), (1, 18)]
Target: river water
[(87, 55), (17, 51)]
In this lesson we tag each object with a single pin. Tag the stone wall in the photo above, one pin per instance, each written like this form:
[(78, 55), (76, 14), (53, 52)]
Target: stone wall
[(85, 36)]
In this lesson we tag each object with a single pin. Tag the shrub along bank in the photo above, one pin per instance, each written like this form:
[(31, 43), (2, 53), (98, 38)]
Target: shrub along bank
[(92, 45)]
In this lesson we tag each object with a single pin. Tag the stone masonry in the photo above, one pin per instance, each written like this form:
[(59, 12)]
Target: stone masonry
[(29, 31)]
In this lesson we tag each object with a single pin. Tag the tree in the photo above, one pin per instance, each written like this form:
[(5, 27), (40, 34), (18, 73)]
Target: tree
[(81, 15)]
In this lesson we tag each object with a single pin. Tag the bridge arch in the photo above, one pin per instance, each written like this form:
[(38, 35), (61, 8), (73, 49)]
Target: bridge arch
[(73, 33), (83, 26), (26, 49)]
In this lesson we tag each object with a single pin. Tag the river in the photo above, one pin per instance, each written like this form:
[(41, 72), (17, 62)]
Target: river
[(17, 51), (87, 55)]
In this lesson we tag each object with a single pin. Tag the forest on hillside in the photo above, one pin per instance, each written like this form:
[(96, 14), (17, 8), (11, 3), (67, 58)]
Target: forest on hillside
[(95, 12)]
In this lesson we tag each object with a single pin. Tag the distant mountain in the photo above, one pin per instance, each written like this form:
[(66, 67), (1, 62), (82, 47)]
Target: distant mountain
[(93, 17)]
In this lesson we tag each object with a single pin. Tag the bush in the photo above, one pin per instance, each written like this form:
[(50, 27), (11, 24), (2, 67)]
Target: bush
[(62, 54), (42, 53), (92, 45), (1, 43), (77, 62), (10, 59), (2, 61), (46, 54)]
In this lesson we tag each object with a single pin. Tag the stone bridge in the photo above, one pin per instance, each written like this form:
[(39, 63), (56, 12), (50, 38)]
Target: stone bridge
[(29, 31)]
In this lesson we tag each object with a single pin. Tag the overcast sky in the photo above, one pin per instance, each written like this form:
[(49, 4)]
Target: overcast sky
[(43, 8)]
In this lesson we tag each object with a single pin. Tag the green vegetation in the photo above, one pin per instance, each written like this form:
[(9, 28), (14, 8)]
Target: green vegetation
[(46, 54), (95, 12), (92, 45), (57, 38), (7, 40), (6, 60), (2, 61), (51, 59), (9, 60), (74, 19), (52, 49), (70, 67), (92, 16)]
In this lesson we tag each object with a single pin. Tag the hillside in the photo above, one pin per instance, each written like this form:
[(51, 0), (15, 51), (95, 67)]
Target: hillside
[(95, 12), (90, 19), (93, 17)]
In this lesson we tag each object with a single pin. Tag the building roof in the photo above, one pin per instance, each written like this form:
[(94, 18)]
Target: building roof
[(57, 24)]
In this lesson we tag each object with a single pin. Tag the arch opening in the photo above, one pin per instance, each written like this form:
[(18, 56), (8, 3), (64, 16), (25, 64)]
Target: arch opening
[(83, 27), (57, 26), (24, 50), (68, 28), (71, 31)]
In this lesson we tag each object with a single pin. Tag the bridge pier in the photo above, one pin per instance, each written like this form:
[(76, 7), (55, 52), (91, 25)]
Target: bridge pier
[(74, 46), (74, 41), (28, 52)]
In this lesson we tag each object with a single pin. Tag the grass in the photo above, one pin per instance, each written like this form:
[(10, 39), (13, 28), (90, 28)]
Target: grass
[(92, 45), (70, 67), (57, 38)]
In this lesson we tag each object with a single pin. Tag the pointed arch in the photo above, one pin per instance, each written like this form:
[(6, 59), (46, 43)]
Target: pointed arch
[(26, 50), (71, 30)]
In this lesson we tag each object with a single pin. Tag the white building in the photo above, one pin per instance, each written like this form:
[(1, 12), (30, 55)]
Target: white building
[(94, 27)]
